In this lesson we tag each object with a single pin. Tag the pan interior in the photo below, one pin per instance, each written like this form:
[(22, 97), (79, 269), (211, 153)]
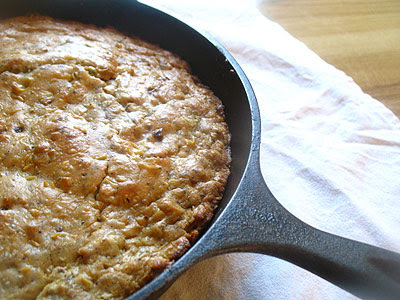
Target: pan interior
[(209, 61)]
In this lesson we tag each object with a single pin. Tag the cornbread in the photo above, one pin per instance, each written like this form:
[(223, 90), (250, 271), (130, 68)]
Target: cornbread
[(112, 158)]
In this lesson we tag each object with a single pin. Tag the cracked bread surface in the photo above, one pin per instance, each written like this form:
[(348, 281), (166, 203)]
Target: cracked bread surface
[(112, 158)]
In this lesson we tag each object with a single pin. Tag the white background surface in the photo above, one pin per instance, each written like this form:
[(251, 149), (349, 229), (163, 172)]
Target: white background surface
[(330, 154)]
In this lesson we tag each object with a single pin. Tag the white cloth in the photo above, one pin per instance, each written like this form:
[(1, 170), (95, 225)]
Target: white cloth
[(330, 154)]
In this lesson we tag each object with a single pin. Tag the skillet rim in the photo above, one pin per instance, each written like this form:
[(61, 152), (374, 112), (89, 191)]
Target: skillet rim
[(196, 253)]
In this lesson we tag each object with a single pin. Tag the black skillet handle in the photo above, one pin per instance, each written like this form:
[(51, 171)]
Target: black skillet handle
[(258, 223)]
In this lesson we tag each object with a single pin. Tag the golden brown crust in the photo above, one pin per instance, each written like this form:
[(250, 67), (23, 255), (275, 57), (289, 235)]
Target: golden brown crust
[(112, 157)]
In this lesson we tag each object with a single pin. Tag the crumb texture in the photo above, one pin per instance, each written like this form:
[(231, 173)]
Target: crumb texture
[(112, 157)]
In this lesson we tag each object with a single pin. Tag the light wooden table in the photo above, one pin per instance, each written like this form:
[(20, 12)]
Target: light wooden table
[(359, 37)]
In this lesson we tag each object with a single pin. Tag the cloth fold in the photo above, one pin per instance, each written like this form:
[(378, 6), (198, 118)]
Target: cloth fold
[(330, 153)]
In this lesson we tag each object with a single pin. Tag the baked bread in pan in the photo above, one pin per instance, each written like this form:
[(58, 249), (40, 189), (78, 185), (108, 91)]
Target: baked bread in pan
[(112, 158)]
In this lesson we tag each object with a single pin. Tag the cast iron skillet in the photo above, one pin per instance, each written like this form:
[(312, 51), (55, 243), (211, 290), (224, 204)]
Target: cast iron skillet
[(249, 218)]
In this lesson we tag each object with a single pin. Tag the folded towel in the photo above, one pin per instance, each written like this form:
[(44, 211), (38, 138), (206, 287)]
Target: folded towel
[(330, 154)]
